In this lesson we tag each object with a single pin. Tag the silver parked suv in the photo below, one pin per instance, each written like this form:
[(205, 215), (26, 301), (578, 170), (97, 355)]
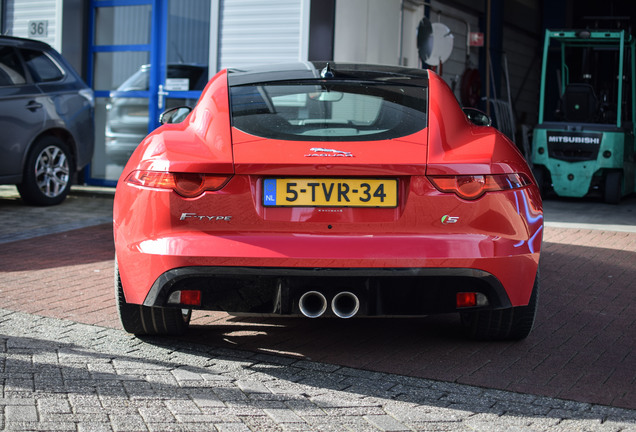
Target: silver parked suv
[(46, 121)]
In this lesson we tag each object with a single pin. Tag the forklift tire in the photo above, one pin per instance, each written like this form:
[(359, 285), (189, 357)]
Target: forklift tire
[(613, 183), (540, 175)]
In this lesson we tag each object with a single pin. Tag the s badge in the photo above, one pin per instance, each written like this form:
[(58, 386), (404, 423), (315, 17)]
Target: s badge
[(446, 219)]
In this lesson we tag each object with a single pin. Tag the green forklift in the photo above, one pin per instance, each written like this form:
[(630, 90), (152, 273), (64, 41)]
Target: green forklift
[(584, 142)]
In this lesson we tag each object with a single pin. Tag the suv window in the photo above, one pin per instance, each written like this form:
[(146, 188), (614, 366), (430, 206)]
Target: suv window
[(333, 111), (197, 77), (11, 72), (41, 66)]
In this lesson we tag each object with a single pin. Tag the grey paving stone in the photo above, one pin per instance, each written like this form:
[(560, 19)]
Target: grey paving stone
[(127, 422), (232, 427), (41, 426), (156, 415), (74, 418), (249, 386), (284, 416), (21, 413), (432, 413), (114, 382), (386, 423), (206, 400), (184, 374), (183, 406), (94, 427), (54, 405)]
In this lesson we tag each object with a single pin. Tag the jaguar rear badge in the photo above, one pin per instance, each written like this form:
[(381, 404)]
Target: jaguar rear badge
[(325, 152)]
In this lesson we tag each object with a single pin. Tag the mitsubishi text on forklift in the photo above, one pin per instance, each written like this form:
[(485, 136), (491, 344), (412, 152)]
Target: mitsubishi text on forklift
[(584, 142)]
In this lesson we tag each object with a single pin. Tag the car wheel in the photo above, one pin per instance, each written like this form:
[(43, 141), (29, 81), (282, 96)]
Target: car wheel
[(504, 324), (145, 320), (47, 174), (613, 184)]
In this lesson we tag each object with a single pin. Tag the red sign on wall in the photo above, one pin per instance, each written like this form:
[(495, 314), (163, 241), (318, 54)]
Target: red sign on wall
[(476, 39)]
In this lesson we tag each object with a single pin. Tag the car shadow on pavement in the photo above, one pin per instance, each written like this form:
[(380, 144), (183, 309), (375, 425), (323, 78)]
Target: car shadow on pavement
[(57, 251), (99, 376), (582, 347), (20, 222)]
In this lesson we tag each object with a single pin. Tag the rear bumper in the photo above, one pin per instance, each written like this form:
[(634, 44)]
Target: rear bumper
[(512, 263), (381, 291)]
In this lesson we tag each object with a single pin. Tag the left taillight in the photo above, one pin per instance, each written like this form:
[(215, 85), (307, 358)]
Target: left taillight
[(188, 185), (471, 187)]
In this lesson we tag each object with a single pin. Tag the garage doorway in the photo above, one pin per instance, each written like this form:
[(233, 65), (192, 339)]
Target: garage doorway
[(144, 56)]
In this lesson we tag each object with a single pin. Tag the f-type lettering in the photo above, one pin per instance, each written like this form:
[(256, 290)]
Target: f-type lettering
[(185, 216)]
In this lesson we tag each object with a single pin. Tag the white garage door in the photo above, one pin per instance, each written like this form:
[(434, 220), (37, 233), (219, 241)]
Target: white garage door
[(258, 32)]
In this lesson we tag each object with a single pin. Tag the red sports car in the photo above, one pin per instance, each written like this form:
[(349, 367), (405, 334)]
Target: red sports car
[(318, 189)]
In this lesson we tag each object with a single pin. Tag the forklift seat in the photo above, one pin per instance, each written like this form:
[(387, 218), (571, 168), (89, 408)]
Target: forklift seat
[(579, 103)]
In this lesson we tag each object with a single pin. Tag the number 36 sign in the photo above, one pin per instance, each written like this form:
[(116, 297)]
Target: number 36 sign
[(38, 29)]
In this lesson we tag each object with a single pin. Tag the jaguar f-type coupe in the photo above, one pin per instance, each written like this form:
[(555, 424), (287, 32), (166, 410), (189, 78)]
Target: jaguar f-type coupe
[(328, 190)]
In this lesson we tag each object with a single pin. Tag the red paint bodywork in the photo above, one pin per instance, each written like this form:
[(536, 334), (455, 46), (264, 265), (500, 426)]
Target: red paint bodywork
[(499, 233)]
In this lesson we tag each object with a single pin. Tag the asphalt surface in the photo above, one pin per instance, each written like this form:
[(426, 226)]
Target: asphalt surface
[(65, 363)]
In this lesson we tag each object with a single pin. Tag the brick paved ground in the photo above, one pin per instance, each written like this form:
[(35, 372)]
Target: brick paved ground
[(583, 347), (581, 350), (65, 376), (84, 207)]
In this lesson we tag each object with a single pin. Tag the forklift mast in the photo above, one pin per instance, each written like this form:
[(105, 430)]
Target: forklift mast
[(584, 141), (596, 72)]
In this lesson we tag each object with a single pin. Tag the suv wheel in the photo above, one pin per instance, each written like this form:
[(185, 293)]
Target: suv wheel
[(145, 320), (47, 175)]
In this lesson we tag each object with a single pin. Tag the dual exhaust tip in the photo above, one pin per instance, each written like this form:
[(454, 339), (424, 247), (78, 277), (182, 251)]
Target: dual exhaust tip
[(313, 304)]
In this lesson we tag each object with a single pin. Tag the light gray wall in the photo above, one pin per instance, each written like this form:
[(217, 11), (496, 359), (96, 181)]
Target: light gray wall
[(18, 13), (367, 31)]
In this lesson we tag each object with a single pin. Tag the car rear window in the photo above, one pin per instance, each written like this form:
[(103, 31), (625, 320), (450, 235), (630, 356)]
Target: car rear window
[(41, 66), (328, 111)]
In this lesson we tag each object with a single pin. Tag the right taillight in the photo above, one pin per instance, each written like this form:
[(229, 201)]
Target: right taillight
[(471, 187)]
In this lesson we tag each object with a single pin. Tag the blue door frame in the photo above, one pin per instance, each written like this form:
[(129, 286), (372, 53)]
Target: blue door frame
[(157, 49)]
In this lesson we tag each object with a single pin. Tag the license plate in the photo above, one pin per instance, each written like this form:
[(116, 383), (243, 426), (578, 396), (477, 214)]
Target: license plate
[(313, 192)]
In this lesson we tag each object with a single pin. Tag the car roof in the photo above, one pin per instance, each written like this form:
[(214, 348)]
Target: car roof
[(24, 42), (339, 71)]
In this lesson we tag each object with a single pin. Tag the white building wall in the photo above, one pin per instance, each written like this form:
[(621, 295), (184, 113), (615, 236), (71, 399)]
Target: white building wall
[(376, 31), (252, 32), (19, 13), (367, 31), (462, 57)]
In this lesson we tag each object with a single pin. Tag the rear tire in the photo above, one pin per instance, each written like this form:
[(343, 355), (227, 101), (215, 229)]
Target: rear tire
[(613, 185), (145, 320), (504, 324)]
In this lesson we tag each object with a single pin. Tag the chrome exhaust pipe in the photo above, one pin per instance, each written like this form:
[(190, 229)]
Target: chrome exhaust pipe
[(312, 304), (345, 304)]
